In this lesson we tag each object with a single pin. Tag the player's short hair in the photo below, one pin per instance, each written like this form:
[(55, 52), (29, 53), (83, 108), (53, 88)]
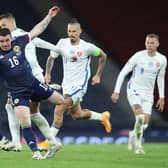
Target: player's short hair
[(153, 35), (4, 32), (7, 15), (74, 21)]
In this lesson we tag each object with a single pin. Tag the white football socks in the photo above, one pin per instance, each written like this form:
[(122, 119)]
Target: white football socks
[(95, 116), (43, 125), (14, 124), (54, 130), (138, 128)]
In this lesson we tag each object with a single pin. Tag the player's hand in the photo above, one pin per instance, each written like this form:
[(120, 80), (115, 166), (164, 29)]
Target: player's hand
[(160, 104), (95, 80), (47, 78), (53, 11), (115, 97)]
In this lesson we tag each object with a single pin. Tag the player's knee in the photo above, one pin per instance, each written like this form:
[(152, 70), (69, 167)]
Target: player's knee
[(25, 122), (60, 100), (76, 116)]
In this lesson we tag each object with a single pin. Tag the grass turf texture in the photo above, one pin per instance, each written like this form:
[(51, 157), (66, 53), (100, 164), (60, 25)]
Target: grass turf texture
[(91, 156)]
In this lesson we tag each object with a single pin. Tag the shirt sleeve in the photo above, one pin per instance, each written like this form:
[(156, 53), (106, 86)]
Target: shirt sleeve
[(93, 50), (43, 44), (161, 79), (57, 51), (23, 40), (124, 72)]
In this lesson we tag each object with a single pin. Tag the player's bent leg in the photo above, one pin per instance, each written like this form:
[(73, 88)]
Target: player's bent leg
[(23, 113), (59, 114), (43, 126), (57, 123), (44, 145), (56, 98), (78, 113)]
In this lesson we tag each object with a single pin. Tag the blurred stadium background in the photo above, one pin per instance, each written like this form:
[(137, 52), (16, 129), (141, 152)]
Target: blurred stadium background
[(119, 27)]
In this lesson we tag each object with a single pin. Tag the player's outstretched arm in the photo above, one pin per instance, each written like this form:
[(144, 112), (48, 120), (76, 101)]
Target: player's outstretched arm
[(41, 26), (40, 43)]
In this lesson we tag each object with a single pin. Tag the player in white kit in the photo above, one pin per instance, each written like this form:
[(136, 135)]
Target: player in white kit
[(76, 54), (146, 66), (7, 20)]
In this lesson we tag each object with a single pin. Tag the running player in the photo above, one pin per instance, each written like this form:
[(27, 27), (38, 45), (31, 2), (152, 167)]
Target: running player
[(76, 54), (146, 66)]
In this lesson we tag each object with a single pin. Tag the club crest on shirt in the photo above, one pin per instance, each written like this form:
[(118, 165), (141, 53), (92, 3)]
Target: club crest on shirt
[(16, 48), (79, 53), (16, 101), (157, 64)]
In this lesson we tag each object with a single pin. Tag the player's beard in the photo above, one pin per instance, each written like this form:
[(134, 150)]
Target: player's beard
[(73, 39)]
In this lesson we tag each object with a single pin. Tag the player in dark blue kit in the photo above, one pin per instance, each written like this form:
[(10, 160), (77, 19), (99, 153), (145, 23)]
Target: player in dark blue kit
[(23, 86)]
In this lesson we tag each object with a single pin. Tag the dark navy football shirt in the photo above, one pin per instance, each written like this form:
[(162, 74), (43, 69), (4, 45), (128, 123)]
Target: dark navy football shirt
[(14, 67)]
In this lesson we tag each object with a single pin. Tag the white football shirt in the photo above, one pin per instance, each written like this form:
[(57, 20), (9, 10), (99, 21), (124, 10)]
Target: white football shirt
[(145, 69), (76, 61)]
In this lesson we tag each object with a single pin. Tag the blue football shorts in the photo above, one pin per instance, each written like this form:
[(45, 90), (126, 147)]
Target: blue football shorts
[(37, 92)]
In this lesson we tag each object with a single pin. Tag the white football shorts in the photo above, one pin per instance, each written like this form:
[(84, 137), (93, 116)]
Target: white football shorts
[(76, 92), (145, 101)]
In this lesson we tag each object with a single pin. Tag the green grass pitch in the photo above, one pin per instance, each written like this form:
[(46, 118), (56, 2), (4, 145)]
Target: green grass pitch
[(91, 156)]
